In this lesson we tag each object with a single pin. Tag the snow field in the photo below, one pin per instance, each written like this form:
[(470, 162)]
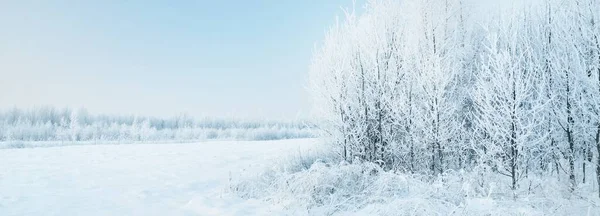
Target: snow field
[(157, 179)]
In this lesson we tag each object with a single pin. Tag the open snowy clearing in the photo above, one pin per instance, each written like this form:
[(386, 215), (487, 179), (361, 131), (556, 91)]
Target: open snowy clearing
[(152, 179)]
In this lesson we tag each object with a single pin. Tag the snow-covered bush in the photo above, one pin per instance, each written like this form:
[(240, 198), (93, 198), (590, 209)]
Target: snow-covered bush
[(327, 187)]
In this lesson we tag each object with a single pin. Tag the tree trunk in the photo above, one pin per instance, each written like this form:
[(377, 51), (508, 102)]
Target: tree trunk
[(584, 156), (571, 159), (513, 155), (598, 130), (437, 136), (598, 158), (513, 134), (569, 131)]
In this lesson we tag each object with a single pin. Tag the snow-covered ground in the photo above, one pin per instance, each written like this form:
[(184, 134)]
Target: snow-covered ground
[(150, 179)]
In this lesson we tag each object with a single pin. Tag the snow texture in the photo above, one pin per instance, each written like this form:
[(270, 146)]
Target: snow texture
[(160, 179)]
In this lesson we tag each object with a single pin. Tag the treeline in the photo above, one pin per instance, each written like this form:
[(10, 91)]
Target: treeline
[(68, 125), (431, 86)]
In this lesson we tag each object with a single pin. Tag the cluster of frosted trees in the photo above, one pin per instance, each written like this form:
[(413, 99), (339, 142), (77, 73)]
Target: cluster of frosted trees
[(66, 125), (428, 86)]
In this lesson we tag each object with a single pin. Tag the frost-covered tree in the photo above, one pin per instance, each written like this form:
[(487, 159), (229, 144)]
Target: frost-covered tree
[(74, 126), (419, 86), (508, 98), (585, 47)]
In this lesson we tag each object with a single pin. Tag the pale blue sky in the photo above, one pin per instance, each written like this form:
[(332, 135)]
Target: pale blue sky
[(246, 59)]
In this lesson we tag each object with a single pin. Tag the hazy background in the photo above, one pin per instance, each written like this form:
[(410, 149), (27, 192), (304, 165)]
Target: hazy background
[(245, 59)]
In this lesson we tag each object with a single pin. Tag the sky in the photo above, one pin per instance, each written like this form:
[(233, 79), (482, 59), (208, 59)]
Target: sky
[(241, 59)]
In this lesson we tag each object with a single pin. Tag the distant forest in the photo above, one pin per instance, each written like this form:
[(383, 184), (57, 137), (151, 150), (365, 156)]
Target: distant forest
[(74, 125)]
